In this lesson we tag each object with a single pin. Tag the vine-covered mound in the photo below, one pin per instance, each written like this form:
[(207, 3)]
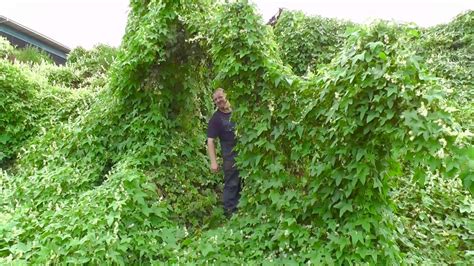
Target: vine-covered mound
[(334, 163)]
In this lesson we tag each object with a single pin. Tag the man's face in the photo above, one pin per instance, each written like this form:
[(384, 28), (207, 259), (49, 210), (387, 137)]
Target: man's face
[(219, 99)]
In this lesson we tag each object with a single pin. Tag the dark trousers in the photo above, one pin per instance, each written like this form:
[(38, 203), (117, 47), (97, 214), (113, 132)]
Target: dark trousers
[(232, 186)]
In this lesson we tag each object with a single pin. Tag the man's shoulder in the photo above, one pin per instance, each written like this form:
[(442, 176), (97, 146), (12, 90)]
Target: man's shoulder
[(218, 116), (214, 118), (214, 125), (214, 115)]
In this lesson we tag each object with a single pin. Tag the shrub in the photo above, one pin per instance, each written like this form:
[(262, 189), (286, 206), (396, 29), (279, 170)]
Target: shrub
[(31, 55), (325, 158), (5, 47)]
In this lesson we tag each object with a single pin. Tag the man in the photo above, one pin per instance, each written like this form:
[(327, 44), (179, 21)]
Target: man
[(221, 127)]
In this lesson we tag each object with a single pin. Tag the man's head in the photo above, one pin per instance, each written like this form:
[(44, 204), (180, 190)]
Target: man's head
[(220, 100)]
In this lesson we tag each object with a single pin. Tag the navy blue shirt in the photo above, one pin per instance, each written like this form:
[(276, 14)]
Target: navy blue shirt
[(220, 126)]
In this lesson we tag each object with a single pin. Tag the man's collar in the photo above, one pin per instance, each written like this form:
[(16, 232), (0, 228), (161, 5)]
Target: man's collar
[(228, 111)]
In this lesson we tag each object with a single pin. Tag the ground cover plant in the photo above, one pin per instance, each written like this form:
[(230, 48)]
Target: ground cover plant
[(351, 150)]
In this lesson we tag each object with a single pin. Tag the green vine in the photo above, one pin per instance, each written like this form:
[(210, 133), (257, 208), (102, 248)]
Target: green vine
[(345, 165)]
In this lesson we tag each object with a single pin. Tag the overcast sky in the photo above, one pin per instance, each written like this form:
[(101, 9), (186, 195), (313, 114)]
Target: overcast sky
[(89, 22)]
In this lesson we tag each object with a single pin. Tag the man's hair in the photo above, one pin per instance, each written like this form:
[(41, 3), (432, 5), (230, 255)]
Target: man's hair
[(219, 90)]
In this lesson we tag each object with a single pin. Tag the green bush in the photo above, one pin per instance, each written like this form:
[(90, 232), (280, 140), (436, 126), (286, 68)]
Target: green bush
[(17, 120), (334, 163), (5, 47), (29, 105), (317, 156), (435, 221), (64, 77), (31, 55), (306, 43), (449, 50), (91, 66), (116, 153)]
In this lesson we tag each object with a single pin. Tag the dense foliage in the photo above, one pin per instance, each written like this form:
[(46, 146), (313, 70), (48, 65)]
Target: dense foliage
[(308, 42), (5, 47), (450, 53), (30, 104), (88, 67), (362, 160), (31, 55)]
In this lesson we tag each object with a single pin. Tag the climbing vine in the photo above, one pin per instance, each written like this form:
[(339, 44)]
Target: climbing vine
[(325, 158)]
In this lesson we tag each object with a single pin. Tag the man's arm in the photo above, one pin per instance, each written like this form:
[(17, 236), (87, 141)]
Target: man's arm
[(211, 148)]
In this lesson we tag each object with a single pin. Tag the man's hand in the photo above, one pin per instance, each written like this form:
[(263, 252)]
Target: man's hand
[(214, 167)]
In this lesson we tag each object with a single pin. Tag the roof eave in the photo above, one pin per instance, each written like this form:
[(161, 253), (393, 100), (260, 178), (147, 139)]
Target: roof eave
[(17, 26)]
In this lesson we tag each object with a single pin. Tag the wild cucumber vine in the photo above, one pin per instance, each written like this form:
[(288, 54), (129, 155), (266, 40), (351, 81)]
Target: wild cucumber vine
[(126, 181)]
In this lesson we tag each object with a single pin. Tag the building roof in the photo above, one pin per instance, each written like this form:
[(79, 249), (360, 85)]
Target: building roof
[(23, 29)]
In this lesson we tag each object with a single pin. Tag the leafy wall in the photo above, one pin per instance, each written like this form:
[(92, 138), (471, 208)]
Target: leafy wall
[(306, 43), (346, 165)]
